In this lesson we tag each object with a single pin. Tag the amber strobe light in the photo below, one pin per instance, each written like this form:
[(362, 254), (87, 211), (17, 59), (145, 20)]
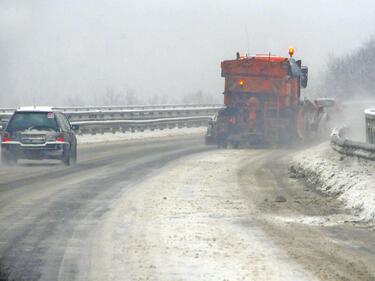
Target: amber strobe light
[(241, 82), (291, 51)]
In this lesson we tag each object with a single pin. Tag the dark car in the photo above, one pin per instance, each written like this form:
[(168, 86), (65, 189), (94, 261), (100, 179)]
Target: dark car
[(39, 133)]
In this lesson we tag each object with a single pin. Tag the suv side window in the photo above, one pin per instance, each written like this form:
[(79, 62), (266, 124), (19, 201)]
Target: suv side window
[(63, 123)]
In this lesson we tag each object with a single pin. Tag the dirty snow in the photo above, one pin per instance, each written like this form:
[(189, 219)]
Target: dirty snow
[(147, 134), (190, 221), (331, 220), (349, 178)]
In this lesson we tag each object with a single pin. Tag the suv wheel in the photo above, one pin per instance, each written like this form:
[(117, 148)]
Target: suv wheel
[(70, 157), (7, 160), (73, 155), (67, 157)]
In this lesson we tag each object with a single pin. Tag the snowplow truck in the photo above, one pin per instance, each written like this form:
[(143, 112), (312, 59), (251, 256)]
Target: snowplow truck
[(263, 105)]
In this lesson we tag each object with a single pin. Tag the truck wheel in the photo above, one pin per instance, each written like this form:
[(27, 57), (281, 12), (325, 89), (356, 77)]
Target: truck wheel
[(289, 134)]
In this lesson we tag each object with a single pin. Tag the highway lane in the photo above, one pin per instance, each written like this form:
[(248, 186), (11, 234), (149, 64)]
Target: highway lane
[(44, 204), (174, 209)]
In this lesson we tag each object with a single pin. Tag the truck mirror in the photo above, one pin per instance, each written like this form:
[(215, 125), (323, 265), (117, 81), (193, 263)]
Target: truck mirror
[(304, 77)]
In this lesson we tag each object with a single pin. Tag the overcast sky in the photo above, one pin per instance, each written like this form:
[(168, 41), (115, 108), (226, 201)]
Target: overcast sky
[(53, 48)]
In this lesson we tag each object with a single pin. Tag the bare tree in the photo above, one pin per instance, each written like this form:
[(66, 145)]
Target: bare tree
[(351, 76)]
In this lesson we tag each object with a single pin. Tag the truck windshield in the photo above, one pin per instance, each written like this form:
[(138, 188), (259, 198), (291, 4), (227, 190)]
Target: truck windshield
[(22, 121)]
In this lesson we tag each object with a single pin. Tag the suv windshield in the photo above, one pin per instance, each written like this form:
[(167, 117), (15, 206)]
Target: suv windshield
[(32, 121)]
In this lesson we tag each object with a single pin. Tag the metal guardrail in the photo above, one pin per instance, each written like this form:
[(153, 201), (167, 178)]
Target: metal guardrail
[(103, 126), (370, 125), (112, 119), (137, 107), (123, 107), (132, 114), (135, 114), (341, 144), (153, 113)]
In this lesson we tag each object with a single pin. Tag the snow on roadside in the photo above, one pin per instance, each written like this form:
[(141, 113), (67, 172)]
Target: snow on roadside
[(147, 134), (349, 178), (191, 222)]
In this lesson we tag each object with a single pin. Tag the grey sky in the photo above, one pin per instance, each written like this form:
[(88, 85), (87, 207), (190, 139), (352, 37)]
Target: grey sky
[(53, 48)]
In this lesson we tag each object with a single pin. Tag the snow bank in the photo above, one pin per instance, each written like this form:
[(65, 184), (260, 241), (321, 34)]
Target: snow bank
[(147, 134), (350, 178)]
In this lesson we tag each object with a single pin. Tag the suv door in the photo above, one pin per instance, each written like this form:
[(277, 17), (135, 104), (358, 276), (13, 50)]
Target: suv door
[(66, 129), (70, 137), (71, 133)]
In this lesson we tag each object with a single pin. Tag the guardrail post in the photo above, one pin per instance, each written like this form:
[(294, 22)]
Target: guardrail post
[(370, 125)]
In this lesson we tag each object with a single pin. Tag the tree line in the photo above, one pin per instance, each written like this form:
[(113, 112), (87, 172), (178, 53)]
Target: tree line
[(351, 76)]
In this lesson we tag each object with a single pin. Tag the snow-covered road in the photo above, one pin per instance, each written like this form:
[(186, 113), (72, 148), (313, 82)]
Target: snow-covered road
[(170, 209), (191, 222)]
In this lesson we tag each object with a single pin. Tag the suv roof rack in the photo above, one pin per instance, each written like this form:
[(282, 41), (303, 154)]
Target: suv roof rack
[(35, 108)]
